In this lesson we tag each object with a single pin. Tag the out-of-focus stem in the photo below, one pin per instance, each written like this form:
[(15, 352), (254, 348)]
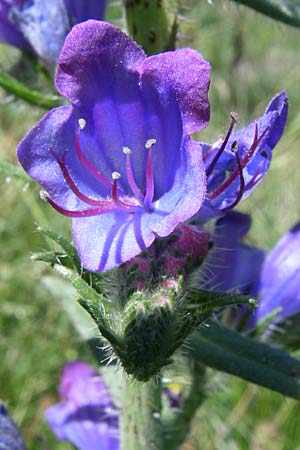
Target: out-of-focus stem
[(152, 23), (140, 415)]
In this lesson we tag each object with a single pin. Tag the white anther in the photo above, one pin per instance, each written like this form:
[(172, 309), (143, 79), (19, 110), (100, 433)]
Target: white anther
[(82, 123), (149, 143), (115, 175), (127, 150), (44, 195)]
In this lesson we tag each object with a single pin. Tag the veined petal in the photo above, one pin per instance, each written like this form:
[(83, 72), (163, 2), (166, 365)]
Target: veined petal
[(182, 76), (55, 135), (105, 53), (86, 415)]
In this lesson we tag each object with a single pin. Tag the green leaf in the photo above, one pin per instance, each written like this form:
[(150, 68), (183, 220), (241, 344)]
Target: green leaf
[(31, 96), (11, 170), (287, 11), (91, 301), (252, 360), (66, 295), (64, 244), (152, 23)]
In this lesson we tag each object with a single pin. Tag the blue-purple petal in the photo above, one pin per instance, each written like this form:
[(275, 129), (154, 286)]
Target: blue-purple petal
[(9, 32), (10, 438), (81, 10), (280, 277), (86, 416), (44, 26)]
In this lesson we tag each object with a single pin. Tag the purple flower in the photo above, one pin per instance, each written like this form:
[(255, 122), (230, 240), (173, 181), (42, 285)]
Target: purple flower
[(274, 278), (236, 164), (86, 415), (42, 25), (279, 285), (10, 438), (120, 160)]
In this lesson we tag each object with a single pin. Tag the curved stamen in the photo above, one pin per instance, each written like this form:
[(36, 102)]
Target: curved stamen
[(115, 196), (133, 186), (70, 182), (149, 174), (107, 206), (211, 166), (242, 180), (82, 158), (253, 180), (244, 162)]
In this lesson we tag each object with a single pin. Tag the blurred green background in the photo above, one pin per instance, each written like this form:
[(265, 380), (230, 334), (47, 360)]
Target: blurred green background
[(252, 58)]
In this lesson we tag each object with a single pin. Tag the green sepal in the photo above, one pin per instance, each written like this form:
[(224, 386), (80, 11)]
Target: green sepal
[(287, 11), (254, 361), (152, 23), (205, 301), (31, 96), (156, 323)]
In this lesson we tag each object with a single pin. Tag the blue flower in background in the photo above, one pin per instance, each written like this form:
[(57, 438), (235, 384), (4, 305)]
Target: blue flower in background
[(86, 415), (235, 165), (41, 25), (272, 277), (120, 160), (10, 438)]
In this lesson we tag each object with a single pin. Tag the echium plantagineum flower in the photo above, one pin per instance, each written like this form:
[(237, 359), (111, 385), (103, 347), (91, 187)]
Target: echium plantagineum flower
[(41, 25), (86, 415), (273, 277), (120, 160), (236, 164)]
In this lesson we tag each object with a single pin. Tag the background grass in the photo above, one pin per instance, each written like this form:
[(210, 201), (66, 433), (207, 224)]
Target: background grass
[(252, 58)]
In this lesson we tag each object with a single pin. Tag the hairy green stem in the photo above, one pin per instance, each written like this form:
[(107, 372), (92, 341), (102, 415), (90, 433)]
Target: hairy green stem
[(140, 415)]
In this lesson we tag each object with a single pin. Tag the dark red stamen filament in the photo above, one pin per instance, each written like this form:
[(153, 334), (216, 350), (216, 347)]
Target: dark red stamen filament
[(242, 184), (82, 158), (222, 148), (119, 204), (130, 177), (149, 181), (244, 162), (107, 206), (70, 182)]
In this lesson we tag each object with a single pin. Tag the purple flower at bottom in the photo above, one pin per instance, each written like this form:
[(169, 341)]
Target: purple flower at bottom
[(86, 415), (273, 277), (10, 438), (120, 160), (236, 164)]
